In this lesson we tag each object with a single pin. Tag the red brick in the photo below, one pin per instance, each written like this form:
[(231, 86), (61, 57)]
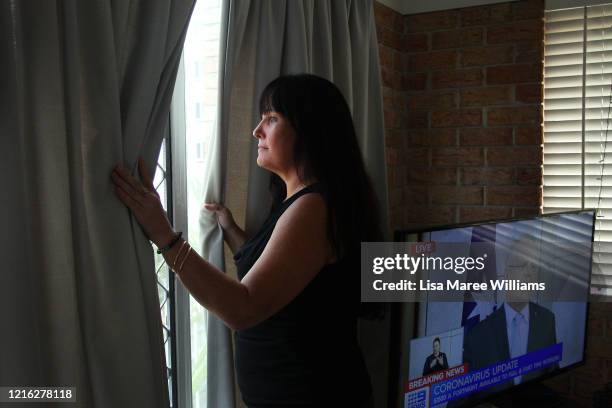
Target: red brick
[(526, 212), (457, 78), (513, 195), (388, 100), (391, 171), (416, 157), (414, 81), (518, 31), (529, 51), (400, 61), (416, 42), (396, 218), (432, 21), (416, 195), (598, 347), (456, 117), (583, 387), (596, 326), (416, 119), (486, 96), (394, 99), (385, 56), (457, 38), (485, 136), (397, 176), (529, 93), (514, 115), (444, 99), (391, 156), (394, 137), (396, 196), (487, 176), (514, 74), (482, 15), (393, 119), (525, 176), (456, 195), (524, 10), (432, 60), (457, 156), (390, 38), (391, 78), (430, 137), (475, 214), (489, 55), (429, 214), (432, 176), (388, 18), (400, 101), (528, 135), (514, 155)]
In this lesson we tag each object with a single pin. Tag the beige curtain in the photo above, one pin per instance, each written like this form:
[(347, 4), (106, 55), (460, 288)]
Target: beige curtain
[(85, 85)]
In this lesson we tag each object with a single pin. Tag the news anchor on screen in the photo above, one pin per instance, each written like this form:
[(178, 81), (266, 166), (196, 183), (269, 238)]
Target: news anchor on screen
[(518, 327), (436, 361)]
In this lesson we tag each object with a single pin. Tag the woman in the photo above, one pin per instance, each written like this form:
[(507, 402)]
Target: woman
[(296, 304)]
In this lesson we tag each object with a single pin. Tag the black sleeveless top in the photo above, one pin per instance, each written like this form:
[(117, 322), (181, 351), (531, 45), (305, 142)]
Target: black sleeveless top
[(305, 355)]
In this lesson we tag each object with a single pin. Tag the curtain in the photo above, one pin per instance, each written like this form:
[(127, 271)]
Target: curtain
[(85, 86), (264, 39)]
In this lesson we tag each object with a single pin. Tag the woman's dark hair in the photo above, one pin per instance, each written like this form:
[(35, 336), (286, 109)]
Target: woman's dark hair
[(326, 150)]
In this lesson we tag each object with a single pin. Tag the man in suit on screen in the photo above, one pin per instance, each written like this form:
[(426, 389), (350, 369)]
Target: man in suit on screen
[(519, 326)]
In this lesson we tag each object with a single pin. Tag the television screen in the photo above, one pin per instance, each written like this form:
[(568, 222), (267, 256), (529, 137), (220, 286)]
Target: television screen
[(498, 336)]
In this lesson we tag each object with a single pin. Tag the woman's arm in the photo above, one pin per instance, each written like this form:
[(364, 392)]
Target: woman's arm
[(232, 233), (297, 250)]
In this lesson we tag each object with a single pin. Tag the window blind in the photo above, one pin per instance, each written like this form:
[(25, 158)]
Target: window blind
[(577, 168)]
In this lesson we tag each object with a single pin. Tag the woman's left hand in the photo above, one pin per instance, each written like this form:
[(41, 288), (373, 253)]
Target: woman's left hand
[(143, 201)]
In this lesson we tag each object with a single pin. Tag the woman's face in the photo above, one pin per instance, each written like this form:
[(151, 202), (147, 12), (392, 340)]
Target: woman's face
[(276, 141)]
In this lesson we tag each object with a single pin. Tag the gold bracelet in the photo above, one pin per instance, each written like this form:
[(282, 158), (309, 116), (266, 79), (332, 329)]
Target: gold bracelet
[(184, 260), (173, 266)]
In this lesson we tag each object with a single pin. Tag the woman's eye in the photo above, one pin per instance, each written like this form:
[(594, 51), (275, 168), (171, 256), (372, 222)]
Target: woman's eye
[(271, 119)]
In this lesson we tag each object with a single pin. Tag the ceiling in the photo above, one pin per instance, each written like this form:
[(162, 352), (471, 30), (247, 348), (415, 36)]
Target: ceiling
[(423, 6)]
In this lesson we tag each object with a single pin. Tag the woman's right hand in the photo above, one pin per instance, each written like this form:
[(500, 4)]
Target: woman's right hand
[(224, 216)]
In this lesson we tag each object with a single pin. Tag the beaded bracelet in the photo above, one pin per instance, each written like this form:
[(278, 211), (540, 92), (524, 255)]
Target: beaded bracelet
[(171, 244)]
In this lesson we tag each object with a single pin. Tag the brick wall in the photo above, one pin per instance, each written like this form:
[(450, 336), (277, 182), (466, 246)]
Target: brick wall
[(463, 112), (462, 102)]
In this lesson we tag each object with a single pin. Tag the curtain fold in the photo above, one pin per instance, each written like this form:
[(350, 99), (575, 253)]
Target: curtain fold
[(86, 85), (264, 39)]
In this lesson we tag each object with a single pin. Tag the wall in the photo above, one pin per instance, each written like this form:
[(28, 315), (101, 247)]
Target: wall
[(462, 100)]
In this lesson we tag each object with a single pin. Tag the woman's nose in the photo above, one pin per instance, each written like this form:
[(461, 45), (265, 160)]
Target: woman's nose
[(257, 131)]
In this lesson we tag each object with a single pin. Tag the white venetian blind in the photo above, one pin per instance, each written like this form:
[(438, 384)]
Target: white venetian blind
[(577, 171)]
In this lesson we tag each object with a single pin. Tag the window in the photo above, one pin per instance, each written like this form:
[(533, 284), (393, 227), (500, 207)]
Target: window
[(577, 169), (193, 111), (200, 152), (165, 279)]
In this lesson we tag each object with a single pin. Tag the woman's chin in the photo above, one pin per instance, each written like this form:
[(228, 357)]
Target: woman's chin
[(261, 162)]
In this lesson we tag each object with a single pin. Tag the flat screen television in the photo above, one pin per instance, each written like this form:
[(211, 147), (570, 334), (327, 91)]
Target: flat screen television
[(464, 351)]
